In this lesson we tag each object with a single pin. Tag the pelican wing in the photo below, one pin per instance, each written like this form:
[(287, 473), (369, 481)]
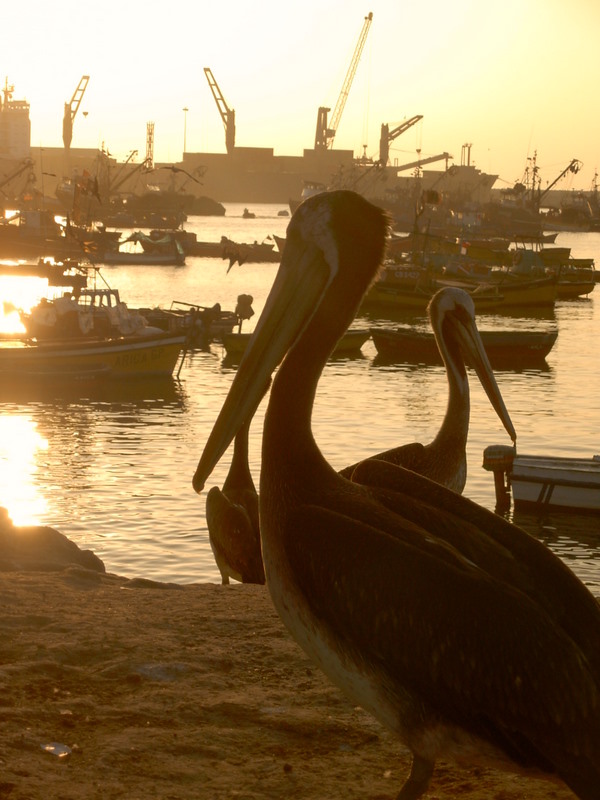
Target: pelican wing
[(411, 456), (413, 616), (468, 525)]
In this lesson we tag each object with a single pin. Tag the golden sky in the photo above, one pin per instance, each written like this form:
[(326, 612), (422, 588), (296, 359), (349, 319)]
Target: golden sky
[(510, 77)]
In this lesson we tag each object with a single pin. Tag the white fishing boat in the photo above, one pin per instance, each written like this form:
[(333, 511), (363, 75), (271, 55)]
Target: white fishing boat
[(558, 482), (121, 358), (86, 312)]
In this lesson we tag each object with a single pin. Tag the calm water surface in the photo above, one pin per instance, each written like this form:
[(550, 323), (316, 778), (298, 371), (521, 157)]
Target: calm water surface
[(112, 468)]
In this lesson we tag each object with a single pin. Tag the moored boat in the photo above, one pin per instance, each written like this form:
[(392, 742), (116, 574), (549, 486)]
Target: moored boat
[(350, 343), (254, 252), (100, 359), (540, 482), (504, 348), (163, 251), (576, 277), (487, 296), (201, 324), (37, 233), (85, 312), (383, 297), (515, 291)]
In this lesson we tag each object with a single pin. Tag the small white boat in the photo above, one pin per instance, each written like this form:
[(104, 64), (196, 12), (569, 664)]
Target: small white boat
[(556, 482), (87, 312), (121, 358)]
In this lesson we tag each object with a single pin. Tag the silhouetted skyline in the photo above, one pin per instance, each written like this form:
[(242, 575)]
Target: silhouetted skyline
[(508, 78)]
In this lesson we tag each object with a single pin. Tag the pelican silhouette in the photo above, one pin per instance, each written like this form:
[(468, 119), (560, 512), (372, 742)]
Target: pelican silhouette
[(232, 519), (455, 629), (444, 460)]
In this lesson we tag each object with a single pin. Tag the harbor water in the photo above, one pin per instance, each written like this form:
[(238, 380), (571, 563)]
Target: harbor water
[(112, 467)]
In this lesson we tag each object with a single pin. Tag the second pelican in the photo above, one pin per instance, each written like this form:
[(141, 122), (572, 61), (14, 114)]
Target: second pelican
[(232, 519), (444, 460)]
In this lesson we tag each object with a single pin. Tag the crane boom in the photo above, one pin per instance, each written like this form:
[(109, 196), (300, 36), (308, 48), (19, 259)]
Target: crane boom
[(71, 110), (325, 134), (227, 114), (339, 106), (421, 161)]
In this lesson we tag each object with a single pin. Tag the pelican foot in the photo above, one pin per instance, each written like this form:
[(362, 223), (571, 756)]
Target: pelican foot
[(418, 780)]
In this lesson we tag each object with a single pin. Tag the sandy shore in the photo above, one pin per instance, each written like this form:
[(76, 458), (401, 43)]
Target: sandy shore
[(116, 688)]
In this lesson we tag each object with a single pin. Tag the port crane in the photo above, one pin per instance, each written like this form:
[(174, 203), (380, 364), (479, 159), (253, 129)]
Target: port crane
[(325, 132), (227, 114), (71, 110)]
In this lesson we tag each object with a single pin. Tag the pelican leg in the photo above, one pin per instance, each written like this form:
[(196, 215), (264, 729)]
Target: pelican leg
[(418, 780)]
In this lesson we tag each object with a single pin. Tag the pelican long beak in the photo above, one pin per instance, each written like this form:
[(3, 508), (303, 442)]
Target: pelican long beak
[(298, 287), (471, 342)]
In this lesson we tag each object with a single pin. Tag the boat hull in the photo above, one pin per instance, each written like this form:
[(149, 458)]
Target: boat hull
[(102, 359), (351, 342), (560, 483), (486, 296), (115, 258), (572, 289), (503, 348)]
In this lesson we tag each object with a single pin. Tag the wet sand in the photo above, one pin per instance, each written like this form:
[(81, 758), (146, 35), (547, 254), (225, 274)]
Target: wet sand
[(148, 690)]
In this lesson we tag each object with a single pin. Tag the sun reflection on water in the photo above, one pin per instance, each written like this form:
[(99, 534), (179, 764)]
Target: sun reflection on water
[(20, 446), (18, 294)]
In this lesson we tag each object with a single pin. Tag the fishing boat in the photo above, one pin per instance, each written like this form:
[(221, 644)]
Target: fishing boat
[(201, 324), (163, 251), (242, 252), (540, 482), (86, 312), (515, 291), (576, 277), (504, 348), (31, 234), (98, 359), (576, 281), (190, 244), (487, 296), (250, 253), (350, 343)]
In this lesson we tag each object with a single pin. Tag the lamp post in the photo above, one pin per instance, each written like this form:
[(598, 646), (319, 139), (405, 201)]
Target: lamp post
[(185, 110)]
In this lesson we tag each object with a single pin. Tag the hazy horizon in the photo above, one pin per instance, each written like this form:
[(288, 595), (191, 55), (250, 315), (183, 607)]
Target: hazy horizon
[(508, 78)]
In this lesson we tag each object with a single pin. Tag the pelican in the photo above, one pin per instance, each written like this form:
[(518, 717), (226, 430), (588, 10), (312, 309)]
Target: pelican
[(232, 519), (444, 460), (457, 630)]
